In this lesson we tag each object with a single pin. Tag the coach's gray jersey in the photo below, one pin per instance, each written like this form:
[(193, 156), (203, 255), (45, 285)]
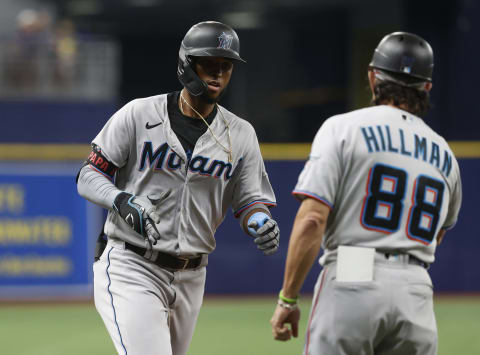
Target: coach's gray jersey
[(391, 182), (139, 140)]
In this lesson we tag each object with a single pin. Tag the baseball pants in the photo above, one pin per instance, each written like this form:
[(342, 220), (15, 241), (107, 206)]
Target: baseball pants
[(146, 309), (391, 315)]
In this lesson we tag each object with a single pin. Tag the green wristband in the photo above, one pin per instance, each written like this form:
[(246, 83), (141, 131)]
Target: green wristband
[(286, 299)]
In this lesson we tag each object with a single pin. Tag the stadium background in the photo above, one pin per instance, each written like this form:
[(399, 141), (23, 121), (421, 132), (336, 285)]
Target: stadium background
[(66, 66)]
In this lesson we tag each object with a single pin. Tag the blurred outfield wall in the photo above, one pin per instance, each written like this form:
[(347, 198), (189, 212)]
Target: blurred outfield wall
[(46, 252)]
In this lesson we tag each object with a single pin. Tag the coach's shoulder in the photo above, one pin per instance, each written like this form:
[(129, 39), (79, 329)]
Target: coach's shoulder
[(341, 125), (349, 120), (351, 115)]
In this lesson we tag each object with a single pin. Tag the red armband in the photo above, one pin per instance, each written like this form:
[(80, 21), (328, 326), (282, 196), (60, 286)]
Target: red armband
[(100, 163)]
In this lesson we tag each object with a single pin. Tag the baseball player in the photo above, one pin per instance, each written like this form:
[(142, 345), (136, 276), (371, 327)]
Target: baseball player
[(168, 167), (378, 192)]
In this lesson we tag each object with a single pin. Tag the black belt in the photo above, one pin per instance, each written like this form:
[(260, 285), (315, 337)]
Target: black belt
[(411, 260), (166, 260), (416, 261)]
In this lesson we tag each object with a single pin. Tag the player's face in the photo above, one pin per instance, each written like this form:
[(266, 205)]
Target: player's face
[(216, 72)]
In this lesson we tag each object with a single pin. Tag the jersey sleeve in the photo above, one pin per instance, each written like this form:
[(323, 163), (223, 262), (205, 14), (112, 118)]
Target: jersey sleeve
[(455, 201), (252, 185), (115, 138), (321, 174)]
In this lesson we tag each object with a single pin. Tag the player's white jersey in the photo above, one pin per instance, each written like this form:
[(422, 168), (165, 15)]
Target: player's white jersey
[(390, 181), (139, 140)]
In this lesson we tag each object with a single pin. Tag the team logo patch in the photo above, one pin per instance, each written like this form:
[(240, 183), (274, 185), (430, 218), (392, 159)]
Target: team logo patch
[(407, 64), (225, 41)]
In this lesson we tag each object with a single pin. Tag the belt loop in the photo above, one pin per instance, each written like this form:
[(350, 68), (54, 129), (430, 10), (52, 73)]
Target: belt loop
[(148, 253), (153, 255), (185, 264)]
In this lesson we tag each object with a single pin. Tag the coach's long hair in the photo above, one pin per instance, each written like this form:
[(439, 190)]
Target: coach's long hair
[(413, 100)]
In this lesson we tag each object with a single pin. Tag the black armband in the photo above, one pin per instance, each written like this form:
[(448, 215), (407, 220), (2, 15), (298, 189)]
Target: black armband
[(100, 163)]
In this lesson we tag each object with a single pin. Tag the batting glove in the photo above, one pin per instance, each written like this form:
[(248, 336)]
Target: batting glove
[(140, 213), (265, 231)]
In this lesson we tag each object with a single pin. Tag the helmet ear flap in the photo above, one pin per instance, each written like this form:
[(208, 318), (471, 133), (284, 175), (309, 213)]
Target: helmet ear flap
[(189, 79)]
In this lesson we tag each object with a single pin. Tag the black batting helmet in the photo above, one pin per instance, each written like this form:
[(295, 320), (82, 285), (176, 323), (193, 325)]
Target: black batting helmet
[(405, 54), (205, 39)]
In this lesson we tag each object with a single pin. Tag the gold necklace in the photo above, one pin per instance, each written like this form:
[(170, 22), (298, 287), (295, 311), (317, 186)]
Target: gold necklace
[(229, 150)]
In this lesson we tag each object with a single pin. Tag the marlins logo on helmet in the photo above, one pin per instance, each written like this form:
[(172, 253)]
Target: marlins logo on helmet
[(225, 41)]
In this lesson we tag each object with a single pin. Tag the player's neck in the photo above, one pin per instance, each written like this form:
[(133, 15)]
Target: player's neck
[(192, 106)]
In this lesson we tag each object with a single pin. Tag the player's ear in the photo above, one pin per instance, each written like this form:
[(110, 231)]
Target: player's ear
[(428, 86)]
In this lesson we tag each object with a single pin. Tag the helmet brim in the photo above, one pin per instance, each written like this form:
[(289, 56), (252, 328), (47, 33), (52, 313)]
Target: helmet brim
[(412, 76), (214, 52)]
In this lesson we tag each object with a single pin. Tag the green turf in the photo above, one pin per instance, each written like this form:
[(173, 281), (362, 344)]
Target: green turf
[(52, 330), (242, 327), (458, 323), (225, 327)]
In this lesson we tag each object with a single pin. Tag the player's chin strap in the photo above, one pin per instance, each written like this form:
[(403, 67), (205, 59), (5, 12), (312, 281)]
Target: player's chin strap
[(227, 150), (190, 80)]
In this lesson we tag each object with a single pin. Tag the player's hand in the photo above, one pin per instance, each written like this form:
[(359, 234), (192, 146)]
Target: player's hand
[(140, 213), (265, 231), (281, 317), (151, 216)]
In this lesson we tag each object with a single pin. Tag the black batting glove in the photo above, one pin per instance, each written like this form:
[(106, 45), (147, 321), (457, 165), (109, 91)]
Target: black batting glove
[(140, 213)]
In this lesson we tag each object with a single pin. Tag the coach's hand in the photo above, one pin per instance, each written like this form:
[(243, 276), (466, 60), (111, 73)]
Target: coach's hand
[(281, 317), (140, 213), (265, 231)]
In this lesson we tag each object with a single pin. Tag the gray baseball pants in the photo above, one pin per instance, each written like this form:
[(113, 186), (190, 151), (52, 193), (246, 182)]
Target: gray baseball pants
[(146, 309), (393, 314)]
